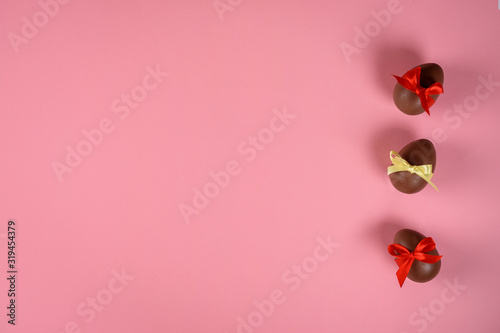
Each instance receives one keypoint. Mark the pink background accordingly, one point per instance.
(323, 175)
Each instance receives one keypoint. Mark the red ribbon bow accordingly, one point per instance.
(405, 258)
(411, 81)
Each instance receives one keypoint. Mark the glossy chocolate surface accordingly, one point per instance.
(407, 101)
(420, 271)
(418, 152)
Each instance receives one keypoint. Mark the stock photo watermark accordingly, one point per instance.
(12, 267)
(89, 309)
(223, 6)
(31, 26)
(248, 149)
(122, 108)
(292, 278)
(427, 314)
(470, 104)
(373, 28)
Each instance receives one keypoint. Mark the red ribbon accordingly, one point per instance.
(405, 258)
(411, 81)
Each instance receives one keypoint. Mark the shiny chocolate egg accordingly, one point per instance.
(418, 152)
(408, 101)
(419, 271)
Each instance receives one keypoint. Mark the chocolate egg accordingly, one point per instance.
(419, 271)
(418, 152)
(409, 102)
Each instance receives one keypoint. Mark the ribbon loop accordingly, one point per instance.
(411, 81)
(400, 164)
(404, 257)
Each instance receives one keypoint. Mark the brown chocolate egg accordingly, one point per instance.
(407, 101)
(418, 152)
(419, 271)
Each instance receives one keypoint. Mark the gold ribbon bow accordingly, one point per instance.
(400, 164)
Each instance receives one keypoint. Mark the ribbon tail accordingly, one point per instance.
(403, 271)
(428, 180)
(425, 103)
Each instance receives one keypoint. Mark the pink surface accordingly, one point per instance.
(296, 239)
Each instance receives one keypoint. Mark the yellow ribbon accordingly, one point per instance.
(400, 164)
